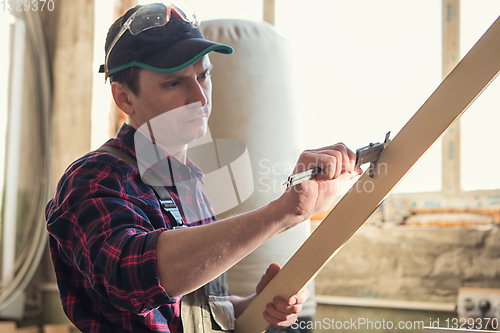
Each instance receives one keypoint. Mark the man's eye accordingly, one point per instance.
(172, 84)
(205, 75)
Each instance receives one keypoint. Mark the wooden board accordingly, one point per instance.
(453, 96)
(29, 329)
(56, 328)
(8, 327)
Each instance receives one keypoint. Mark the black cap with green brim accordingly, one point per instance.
(166, 49)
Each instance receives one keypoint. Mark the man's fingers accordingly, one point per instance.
(334, 161)
(283, 315)
(277, 323)
(283, 309)
(278, 317)
(299, 298)
(271, 272)
(348, 157)
(332, 166)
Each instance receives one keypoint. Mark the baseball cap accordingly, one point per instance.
(165, 48)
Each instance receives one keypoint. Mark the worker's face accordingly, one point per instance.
(172, 95)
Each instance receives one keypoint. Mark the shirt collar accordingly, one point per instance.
(181, 171)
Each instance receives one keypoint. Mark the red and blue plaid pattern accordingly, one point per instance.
(104, 223)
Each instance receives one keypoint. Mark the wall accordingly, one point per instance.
(413, 263)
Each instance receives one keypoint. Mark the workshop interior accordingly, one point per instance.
(303, 75)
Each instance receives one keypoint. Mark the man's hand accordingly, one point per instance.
(338, 165)
(281, 313)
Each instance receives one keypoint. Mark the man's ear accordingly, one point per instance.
(122, 96)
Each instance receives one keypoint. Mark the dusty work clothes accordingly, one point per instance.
(104, 222)
(208, 309)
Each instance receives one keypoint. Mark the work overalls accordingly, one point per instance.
(208, 308)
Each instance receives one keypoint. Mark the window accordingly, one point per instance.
(479, 125)
(364, 68)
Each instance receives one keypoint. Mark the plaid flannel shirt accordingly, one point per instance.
(104, 223)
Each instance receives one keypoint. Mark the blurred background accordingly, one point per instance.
(351, 71)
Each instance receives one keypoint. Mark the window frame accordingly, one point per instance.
(451, 197)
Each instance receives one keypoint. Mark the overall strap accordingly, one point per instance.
(161, 192)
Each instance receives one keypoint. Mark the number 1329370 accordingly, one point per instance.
(27, 5)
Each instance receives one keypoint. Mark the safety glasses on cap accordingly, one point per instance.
(148, 17)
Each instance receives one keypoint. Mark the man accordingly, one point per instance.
(124, 261)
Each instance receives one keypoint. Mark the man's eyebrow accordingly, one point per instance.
(174, 76)
(207, 69)
(177, 76)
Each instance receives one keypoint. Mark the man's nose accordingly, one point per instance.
(197, 94)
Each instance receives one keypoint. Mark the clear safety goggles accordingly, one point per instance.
(148, 17)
